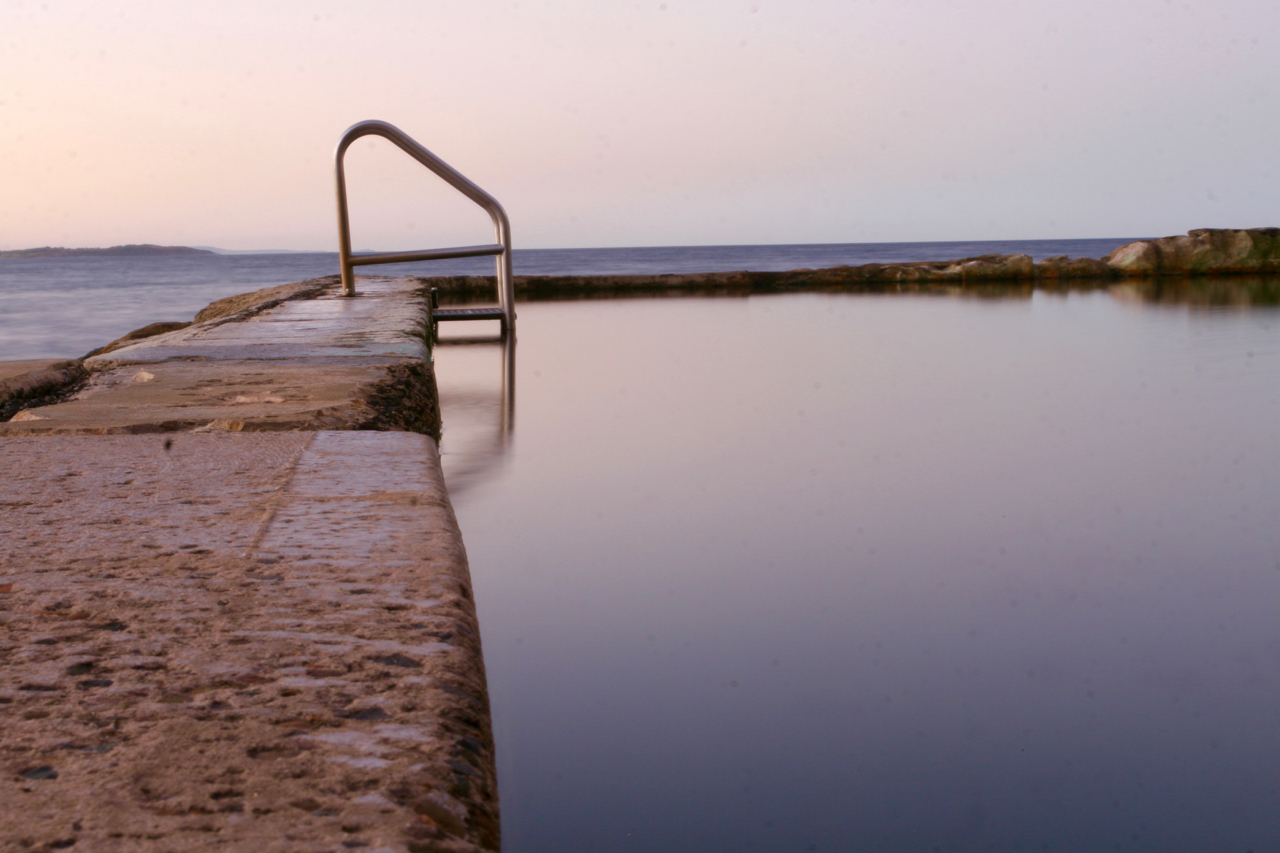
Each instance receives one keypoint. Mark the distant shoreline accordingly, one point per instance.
(133, 249)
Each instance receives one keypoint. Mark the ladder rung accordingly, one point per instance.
(426, 255)
(468, 314)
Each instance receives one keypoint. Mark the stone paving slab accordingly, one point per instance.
(238, 642)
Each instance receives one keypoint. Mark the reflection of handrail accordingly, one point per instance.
(478, 465)
(501, 250)
(507, 412)
(508, 388)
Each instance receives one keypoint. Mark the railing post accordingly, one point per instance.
(344, 223)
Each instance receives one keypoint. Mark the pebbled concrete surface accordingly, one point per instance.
(238, 642)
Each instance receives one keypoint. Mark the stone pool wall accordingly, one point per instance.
(1203, 252)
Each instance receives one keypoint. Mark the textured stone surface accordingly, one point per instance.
(278, 361)
(239, 642)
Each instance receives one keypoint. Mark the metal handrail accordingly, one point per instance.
(501, 250)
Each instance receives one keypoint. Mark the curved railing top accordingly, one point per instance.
(501, 249)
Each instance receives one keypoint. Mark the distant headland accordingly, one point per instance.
(113, 251)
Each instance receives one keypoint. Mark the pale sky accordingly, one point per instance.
(637, 123)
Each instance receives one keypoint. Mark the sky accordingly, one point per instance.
(637, 123)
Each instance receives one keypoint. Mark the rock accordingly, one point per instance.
(148, 331)
(398, 660)
(40, 773)
(25, 384)
(1204, 251)
(1140, 258)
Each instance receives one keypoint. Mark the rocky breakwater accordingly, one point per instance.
(1202, 252)
(235, 607)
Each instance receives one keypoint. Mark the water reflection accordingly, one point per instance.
(1241, 291)
(1236, 291)
(476, 381)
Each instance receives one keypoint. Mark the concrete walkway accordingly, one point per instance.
(226, 627)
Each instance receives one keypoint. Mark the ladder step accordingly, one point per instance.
(426, 255)
(468, 314)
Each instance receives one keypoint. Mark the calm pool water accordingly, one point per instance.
(866, 573)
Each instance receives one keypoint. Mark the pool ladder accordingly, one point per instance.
(504, 311)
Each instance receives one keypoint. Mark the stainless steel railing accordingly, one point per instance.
(501, 250)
